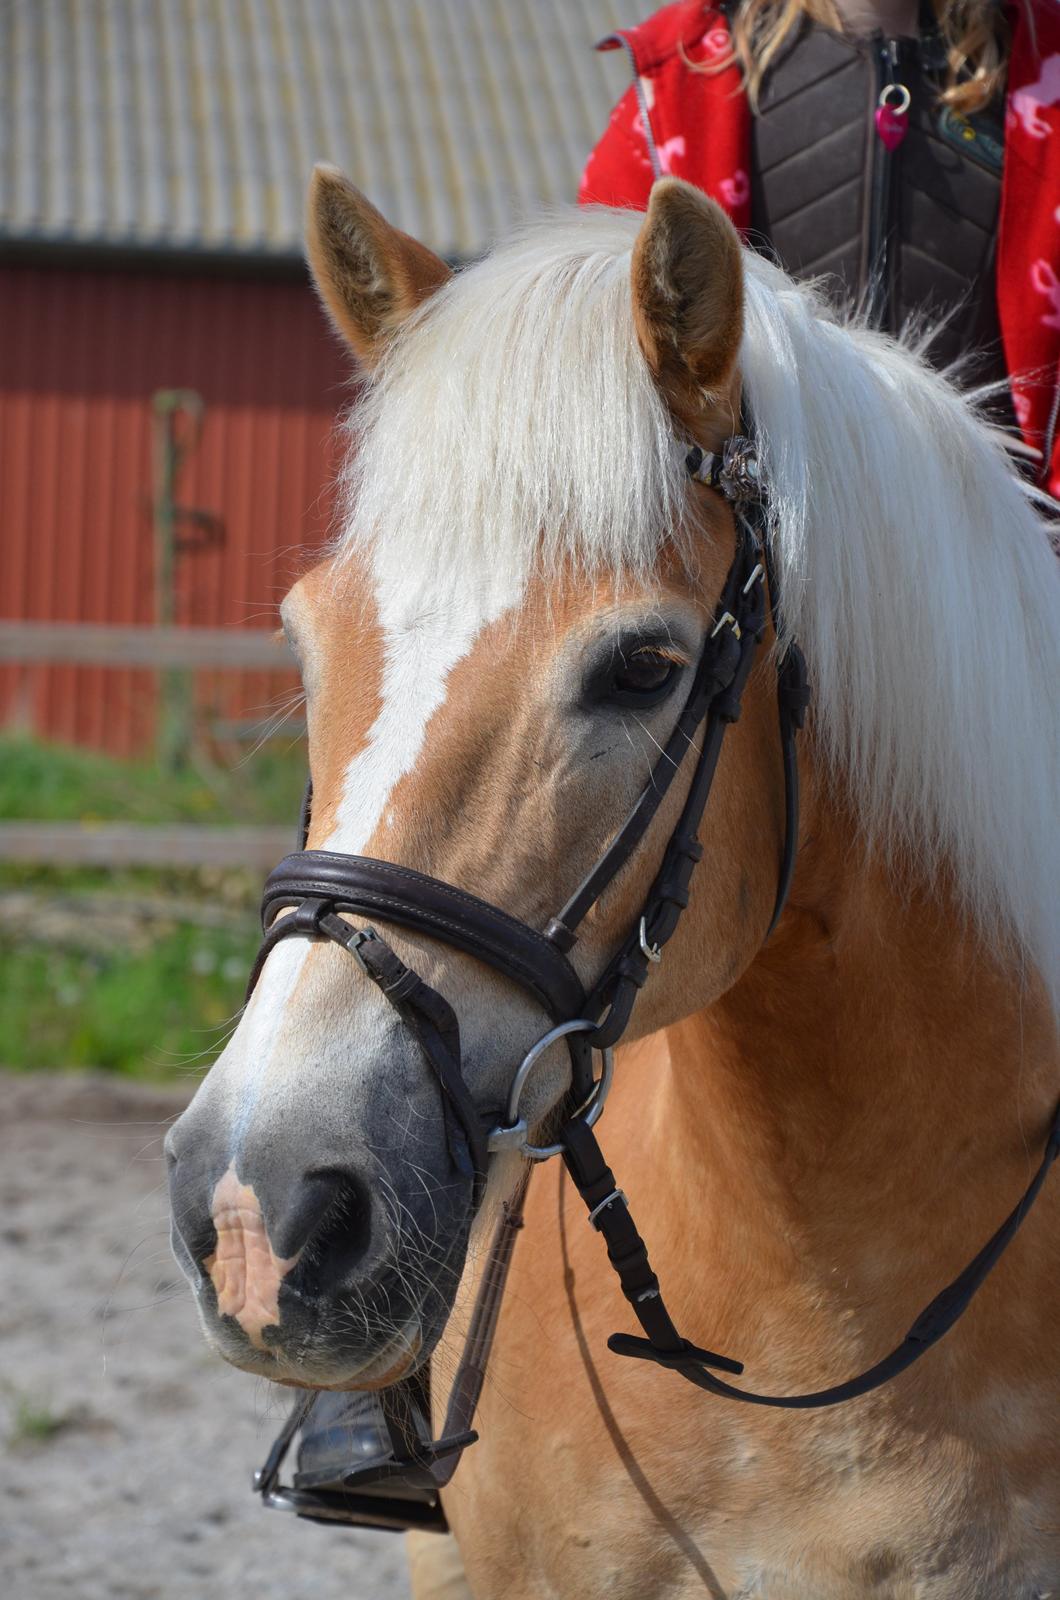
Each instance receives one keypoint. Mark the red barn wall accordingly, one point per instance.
(81, 354)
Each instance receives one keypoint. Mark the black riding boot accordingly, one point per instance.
(343, 1432)
(347, 1431)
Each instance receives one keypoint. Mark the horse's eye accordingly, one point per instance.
(642, 678)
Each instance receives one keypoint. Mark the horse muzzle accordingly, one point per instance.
(332, 1277)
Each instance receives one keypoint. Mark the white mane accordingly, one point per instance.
(516, 423)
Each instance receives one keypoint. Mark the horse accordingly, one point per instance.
(817, 1128)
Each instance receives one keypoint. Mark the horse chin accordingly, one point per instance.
(321, 1363)
(400, 1359)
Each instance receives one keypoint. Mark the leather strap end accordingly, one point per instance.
(627, 1344)
(793, 685)
(560, 935)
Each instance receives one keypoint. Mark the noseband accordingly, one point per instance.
(318, 887)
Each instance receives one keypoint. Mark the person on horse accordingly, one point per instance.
(907, 150)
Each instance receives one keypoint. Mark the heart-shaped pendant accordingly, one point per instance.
(892, 115)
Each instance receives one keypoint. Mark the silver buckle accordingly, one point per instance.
(651, 951)
(359, 936)
(726, 620)
(608, 1200)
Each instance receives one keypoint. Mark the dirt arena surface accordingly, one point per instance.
(125, 1448)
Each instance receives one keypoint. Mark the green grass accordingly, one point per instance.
(154, 1012)
(56, 783)
(35, 1422)
(108, 987)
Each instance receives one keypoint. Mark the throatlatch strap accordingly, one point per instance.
(609, 1214)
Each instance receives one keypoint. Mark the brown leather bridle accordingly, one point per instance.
(317, 887)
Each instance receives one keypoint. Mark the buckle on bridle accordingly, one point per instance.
(608, 1200)
(357, 938)
(652, 952)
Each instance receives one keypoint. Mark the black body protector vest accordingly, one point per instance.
(908, 234)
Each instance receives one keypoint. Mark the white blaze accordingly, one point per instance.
(430, 621)
(259, 1031)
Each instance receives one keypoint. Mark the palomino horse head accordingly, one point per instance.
(494, 653)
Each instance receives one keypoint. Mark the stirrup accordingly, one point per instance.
(399, 1489)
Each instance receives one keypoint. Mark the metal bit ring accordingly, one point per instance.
(513, 1133)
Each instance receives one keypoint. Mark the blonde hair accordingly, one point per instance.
(900, 533)
(975, 33)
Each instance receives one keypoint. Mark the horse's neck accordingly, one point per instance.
(867, 1103)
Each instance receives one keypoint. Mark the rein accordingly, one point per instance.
(315, 886)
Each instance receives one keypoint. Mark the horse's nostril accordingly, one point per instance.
(340, 1240)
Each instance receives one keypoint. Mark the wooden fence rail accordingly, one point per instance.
(101, 644)
(123, 844)
(70, 844)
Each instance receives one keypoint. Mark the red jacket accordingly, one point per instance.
(700, 125)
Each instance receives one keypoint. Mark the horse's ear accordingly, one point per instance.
(368, 274)
(688, 298)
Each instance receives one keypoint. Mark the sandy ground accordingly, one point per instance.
(125, 1447)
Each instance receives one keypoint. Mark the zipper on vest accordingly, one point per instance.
(618, 40)
(879, 287)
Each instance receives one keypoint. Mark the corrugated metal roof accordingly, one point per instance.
(193, 124)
